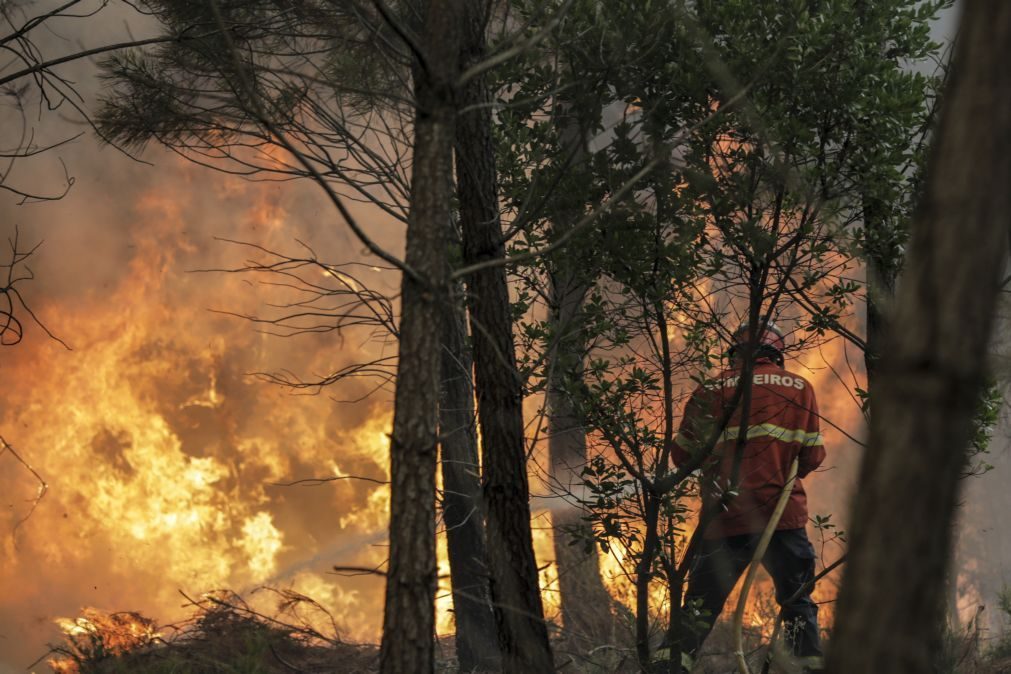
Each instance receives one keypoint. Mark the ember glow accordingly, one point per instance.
(114, 633)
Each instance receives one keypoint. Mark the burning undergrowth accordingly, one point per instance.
(223, 633)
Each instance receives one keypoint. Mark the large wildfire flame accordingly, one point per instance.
(161, 453)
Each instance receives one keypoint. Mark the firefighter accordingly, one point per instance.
(782, 424)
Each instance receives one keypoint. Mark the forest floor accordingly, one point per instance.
(225, 635)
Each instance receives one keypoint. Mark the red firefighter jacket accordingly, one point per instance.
(783, 423)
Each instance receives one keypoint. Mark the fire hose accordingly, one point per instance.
(756, 560)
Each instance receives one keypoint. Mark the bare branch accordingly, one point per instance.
(42, 490)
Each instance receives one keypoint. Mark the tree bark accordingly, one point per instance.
(476, 639)
(409, 618)
(516, 598)
(585, 603)
(932, 368)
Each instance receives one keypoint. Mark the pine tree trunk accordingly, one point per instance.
(932, 369)
(516, 598)
(476, 639)
(409, 617)
(585, 602)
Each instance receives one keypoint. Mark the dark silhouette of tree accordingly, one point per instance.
(462, 501)
(932, 368)
(409, 616)
(515, 591)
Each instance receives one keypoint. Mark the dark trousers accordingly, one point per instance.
(720, 563)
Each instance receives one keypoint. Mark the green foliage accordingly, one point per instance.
(794, 133)
(329, 76)
(1001, 648)
(608, 485)
(991, 401)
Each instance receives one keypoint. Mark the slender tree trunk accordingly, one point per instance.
(932, 370)
(643, 576)
(516, 598)
(585, 603)
(476, 639)
(586, 612)
(409, 618)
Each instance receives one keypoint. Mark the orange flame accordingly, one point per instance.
(97, 634)
(163, 456)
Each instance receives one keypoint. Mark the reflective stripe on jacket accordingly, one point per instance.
(783, 423)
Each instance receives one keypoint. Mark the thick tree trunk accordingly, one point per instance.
(476, 639)
(409, 618)
(585, 602)
(932, 368)
(516, 595)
